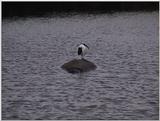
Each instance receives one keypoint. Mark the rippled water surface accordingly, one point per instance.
(123, 46)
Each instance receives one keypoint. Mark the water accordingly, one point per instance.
(123, 46)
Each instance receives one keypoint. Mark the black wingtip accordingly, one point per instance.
(79, 51)
(85, 45)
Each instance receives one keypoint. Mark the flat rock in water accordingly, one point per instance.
(78, 65)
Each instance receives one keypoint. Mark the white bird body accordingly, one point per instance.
(82, 50)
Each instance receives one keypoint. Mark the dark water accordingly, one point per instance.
(124, 47)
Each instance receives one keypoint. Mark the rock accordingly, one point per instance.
(78, 66)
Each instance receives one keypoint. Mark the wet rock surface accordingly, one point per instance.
(79, 66)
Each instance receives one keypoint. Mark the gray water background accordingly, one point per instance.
(124, 46)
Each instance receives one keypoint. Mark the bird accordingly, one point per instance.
(82, 49)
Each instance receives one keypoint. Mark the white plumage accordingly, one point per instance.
(82, 50)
